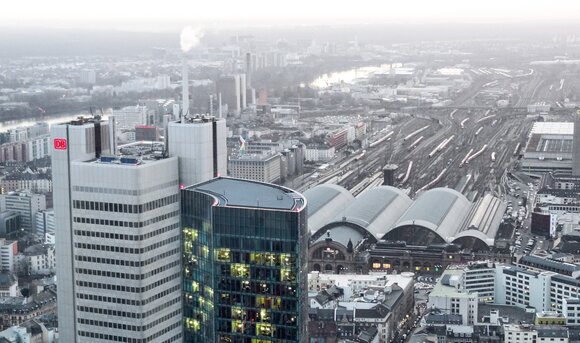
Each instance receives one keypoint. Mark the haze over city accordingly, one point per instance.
(304, 171)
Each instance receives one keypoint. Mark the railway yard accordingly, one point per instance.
(468, 150)
(469, 145)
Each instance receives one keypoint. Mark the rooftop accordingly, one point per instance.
(38, 249)
(552, 331)
(325, 202)
(230, 192)
(348, 282)
(549, 264)
(441, 210)
(81, 120)
(133, 154)
(443, 289)
(254, 157)
(197, 119)
(443, 318)
(510, 313)
(554, 128)
(22, 305)
(7, 280)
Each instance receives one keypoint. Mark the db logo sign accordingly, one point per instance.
(60, 144)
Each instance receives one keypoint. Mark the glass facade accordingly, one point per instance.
(245, 274)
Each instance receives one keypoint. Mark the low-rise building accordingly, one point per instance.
(526, 333)
(8, 285)
(16, 310)
(382, 302)
(571, 310)
(539, 264)
(480, 277)
(550, 318)
(8, 252)
(448, 297)
(26, 204)
(31, 331)
(263, 167)
(28, 180)
(45, 223)
(38, 259)
(327, 298)
(319, 153)
(9, 222)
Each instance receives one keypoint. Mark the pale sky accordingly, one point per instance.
(72, 12)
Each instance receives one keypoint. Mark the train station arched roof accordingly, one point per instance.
(483, 220)
(368, 216)
(434, 217)
(378, 209)
(437, 216)
(325, 202)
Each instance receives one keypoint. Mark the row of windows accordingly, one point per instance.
(103, 190)
(125, 262)
(138, 328)
(124, 250)
(125, 208)
(121, 223)
(115, 338)
(128, 276)
(124, 301)
(110, 235)
(515, 296)
(127, 288)
(125, 314)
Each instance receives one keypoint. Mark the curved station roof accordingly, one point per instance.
(439, 215)
(368, 216)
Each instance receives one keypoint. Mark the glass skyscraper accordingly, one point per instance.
(245, 273)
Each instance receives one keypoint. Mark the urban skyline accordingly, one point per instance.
(309, 172)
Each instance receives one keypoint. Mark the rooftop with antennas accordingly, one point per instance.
(198, 118)
(135, 153)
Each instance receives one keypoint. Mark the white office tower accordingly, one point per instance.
(200, 144)
(117, 239)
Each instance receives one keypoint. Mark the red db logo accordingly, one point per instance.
(59, 144)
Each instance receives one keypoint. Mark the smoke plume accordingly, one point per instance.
(190, 38)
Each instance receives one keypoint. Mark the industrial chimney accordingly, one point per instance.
(185, 88)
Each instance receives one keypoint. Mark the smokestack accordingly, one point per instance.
(185, 88)
(211, 105)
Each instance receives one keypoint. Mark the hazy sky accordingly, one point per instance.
(73, 12)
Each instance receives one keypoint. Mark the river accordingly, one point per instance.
(350, 76)
(54, 119)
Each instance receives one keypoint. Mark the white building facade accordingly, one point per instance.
(200, 145)
(118, 246)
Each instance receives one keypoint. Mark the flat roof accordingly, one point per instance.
(554, 128)
(450, 291)
(512, 313)
(231, 192)
(543, 143)
(254, 157)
